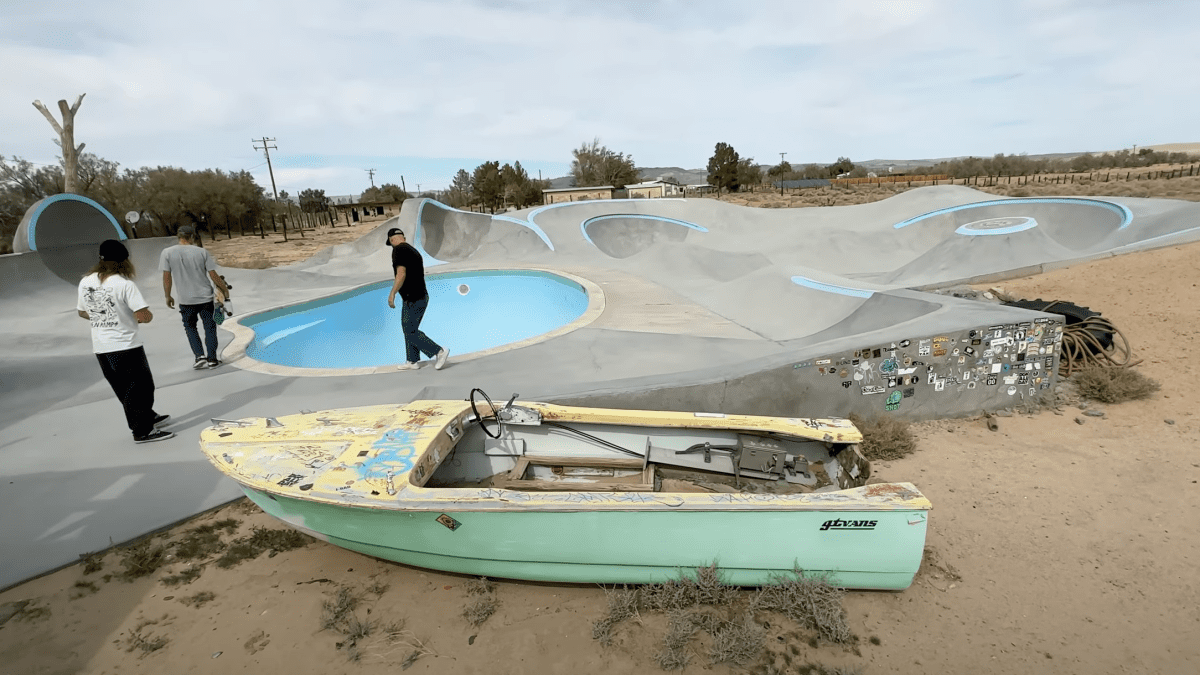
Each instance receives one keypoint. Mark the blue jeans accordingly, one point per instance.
(416, 342)
(205, 312)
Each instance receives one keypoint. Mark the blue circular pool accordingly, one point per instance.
(468, 312)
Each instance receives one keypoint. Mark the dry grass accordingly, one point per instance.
(143, 640)
(199, 599)
(92, 562)
(676, 652)
(739, 641)
(142, 559)
(262, 539)
(204, 541)
(810, 601)
(622, 604)
(82, 589)
(1114, 385)
(480, 609)
(884, 438)
(187, 576)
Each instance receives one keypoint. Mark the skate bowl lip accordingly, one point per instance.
(243, 335)
(1124, 211)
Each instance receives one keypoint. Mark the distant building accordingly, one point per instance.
(655, 188)
(699, 189)
(355, 212)
(577, 194)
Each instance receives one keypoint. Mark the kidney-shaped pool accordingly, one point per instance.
(468, 312)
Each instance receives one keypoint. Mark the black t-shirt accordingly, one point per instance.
(409, 258)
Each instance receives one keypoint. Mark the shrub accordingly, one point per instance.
(1114, 385)
(884, 438)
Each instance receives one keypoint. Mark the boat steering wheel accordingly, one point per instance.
(495, 414)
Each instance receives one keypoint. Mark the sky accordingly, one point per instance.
(418, 90)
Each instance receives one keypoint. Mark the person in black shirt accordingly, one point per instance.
(409, 271)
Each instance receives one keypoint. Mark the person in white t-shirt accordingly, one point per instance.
(192, 272)
(114, 305)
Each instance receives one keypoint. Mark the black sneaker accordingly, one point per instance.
(160, 420)
(212, 364)
(156, 435)
(199, 364)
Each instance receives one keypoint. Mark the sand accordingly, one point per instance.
(1054, 546)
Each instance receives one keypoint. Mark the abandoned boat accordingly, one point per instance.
(546, 492)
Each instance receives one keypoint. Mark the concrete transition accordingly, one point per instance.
(707, 306)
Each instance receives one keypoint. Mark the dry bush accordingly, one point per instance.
(1114, 385)
(622, 604)
(480, 586)
(335, 611)
(146, 642)
(142, 559)
(198, 600)
(92, 562)
(187, 576)
(675, 653)
(480, 609)
(884, 438)
(810, 601)
(739, 641)
(262, 539)
(707, 587)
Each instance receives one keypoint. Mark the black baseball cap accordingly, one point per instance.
(112, 250)
(392, 232)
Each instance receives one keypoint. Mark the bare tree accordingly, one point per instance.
(66, 135)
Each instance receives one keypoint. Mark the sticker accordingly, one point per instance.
(823, 362)
(291, 480)
(872, 389)
(905, 343)
(996, 367)
(887, 366)
(1012, 390)
(845, 384)
(448, 522)
(908, 393)
(893, 401)
(991, 380)
(940, 385)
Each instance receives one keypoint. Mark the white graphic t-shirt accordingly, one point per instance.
(110, 305)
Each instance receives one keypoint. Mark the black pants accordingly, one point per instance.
(128, 372)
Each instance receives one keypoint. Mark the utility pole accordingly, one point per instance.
(781, 173)
(403, 186)
(371, 175)
(267, 149)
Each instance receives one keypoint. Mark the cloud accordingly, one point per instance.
(423, 88)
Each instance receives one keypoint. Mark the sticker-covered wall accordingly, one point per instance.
(954, 373)
(957, 373)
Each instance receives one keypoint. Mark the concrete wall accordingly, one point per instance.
(580, 195)
(951, 374)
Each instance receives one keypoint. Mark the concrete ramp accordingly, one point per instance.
(622, 235)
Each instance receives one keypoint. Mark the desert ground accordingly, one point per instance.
(1065, 541)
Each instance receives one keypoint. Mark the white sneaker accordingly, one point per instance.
(441, 359)
(408, 365)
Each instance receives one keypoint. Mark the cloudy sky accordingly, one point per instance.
(422, 89)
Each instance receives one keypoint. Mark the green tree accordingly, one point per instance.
(594, 164)
(841, 166)
(780, 171)
(723, 168)
(459, 194)
(489, 185)
(313, 201)
(749, 173)
(388, 193)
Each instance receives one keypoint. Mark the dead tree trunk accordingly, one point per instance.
(66, 136)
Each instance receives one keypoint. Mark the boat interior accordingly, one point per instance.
(514, 448)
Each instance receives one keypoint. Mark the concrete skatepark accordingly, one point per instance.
(706, 306)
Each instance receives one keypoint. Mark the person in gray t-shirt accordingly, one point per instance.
(189, 269)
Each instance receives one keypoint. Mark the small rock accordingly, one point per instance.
(1079, 420)
(988, 295)
(471, 640)
(1003, 413)
(1083, 405)
(1094, 413)
(216, 654)
(1169, 421)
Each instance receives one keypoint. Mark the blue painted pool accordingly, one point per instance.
(468, 312)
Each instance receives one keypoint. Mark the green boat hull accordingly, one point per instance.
(868, 549)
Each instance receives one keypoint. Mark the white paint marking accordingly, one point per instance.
(65, 523)
(118, 488)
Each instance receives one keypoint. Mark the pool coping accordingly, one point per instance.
(235, 352)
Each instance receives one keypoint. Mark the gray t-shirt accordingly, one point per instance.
(189, 266)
